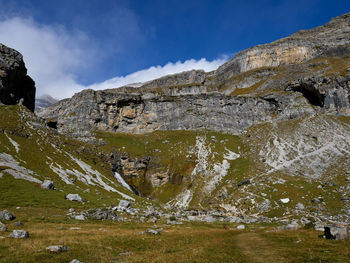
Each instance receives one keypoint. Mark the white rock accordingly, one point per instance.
(80, 217)
(57, 248)
(300, 206)
(241, 227)
(285, 200)
(48, 184)
(75, 261)
(71, 210)
(74, 197)
(19, 234)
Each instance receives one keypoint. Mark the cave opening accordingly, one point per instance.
(313, 96)
(52, 124)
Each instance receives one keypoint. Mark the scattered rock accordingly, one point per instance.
(18, 223)
(3, 227)
(243, 183)
(48, 184)
(123, 204)
(336, 231)
(58, 248)
(316, 200)
(101, 214)
(154, 231)
(171, 222)
(75, 228)
(6, 215)
(241, 227)
(80, 217)
(300, 206)
(19, 234)
(209, 219)
(74, 197)
(285, 200)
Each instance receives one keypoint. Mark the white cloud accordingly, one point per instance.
(53, 56)
(159, 71)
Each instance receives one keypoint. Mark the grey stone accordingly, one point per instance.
(123, 204)
(19, 234)
(74, 197)
(58, 248)
(80, 217)
(241, 227)
(18, 223)
(71, 210)
(48, 184)
(6, 215)
(336, 231)
(209, 219)
(76, 261)
(300, 206)
(101, 214)
(3, 227)
(154, 231)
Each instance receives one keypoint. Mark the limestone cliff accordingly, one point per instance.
(258, 85)
(15, 85)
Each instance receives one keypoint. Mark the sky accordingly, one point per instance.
(71, 45)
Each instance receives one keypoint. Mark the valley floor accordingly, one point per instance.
(106, 241)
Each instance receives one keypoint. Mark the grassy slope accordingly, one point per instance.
(38, 148)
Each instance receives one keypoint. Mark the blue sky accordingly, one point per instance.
(71, 45)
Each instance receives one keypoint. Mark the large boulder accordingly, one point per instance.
(6, 215)
(336, 231)
(74, 197)
(19, 234)
(48, 184)
(16, 87)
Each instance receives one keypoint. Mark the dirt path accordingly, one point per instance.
(256, 249)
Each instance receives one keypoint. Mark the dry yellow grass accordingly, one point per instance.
(191, 242)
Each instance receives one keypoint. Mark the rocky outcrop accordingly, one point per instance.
(16, 87)
(261, 84)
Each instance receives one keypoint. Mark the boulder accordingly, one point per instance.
(58, 248)
(336, 231)
(154, 231)
(3, 227)
(18, 223)
(16, 87)
(19, 234)
(209, 219)
(48, 184)
(123, 205)
(80, 217)
(101, 214)
(6, 215)
(74, 197)
(285, 200)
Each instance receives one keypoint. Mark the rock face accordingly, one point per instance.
(272, 82)
(16, 87)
